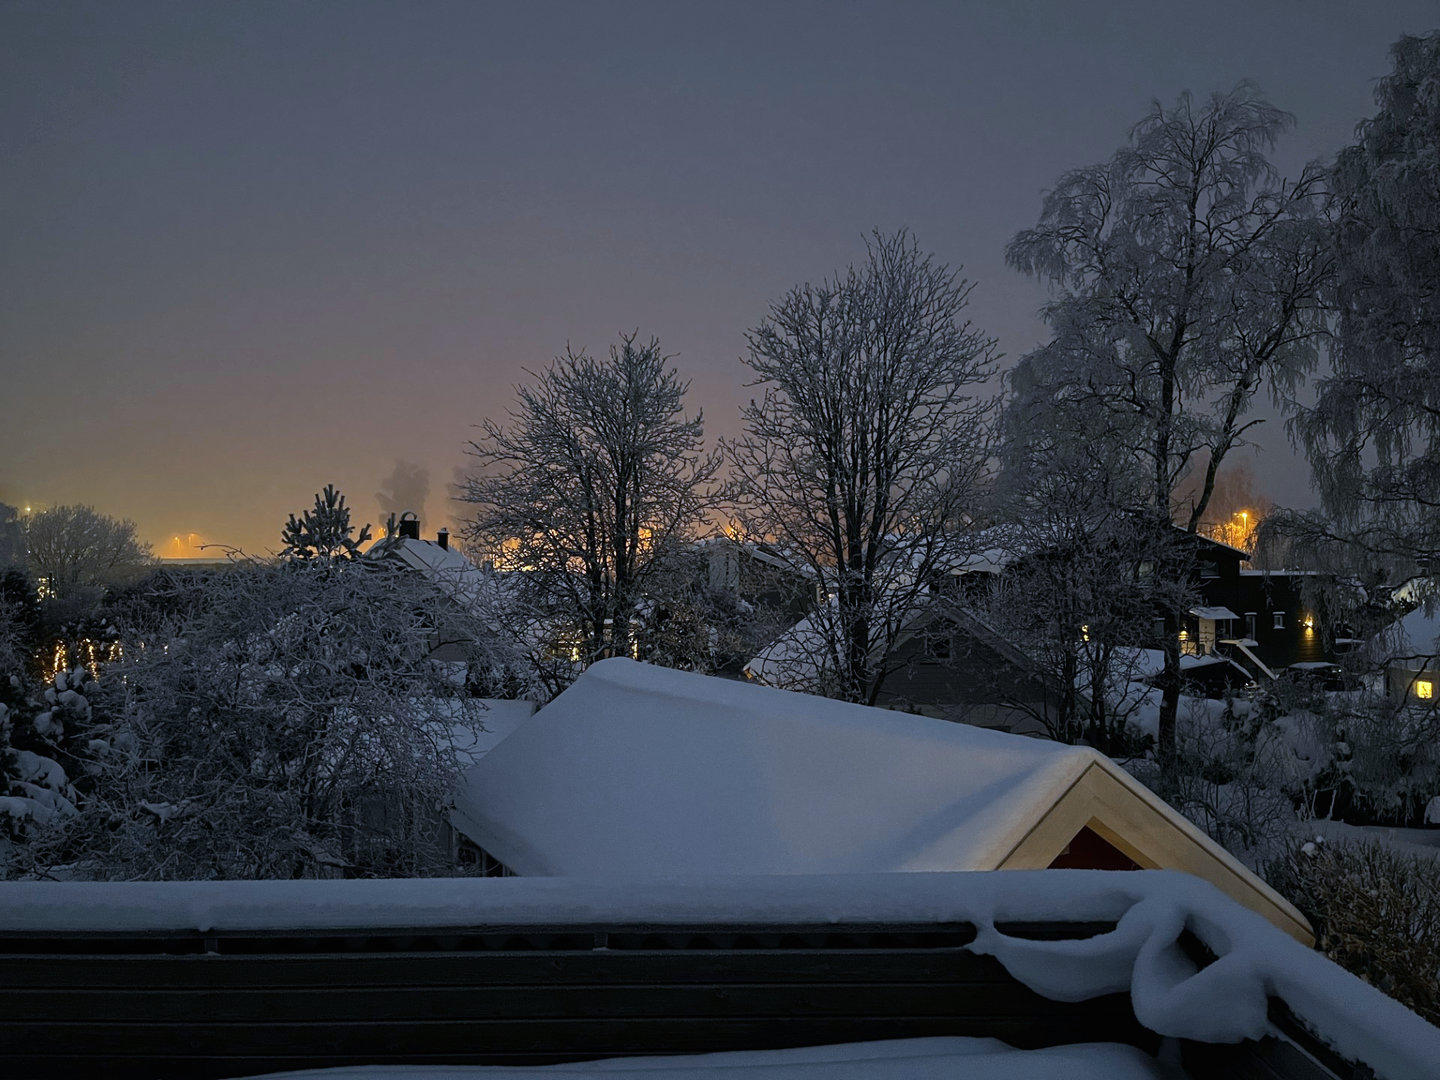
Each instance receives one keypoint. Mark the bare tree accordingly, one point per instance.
(12, 537)
(1071, 594)
(869, 447)
(74, 548)
(1187, 277)
(587, 490)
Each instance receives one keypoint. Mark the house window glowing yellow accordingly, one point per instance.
(1424, 688)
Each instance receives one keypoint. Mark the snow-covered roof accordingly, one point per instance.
(1214, 613)
(448, 569)
(894, 1059)
(1412, 640)
(796, 657)
(640, 771)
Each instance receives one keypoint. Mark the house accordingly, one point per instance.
(1263, 620)
(647, 772)
(761, 574)
(945, 663)
(1409, 652)
(478, 591)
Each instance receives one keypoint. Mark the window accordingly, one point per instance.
(1250, 618)
(937, 645)
(1279, 620)
(1424, 688)
(1209, 568)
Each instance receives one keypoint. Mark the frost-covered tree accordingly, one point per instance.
(12, 537)
(19, 621)
(1071, 594)
(1373, 435)
(869, 448)
(282, 720)
(74, 548)
(54, 751)
(587, 490)
(324, 532)
(1186, 277)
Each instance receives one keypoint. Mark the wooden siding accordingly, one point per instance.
(1118, 814)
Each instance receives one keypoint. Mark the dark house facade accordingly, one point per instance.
(1265, 620)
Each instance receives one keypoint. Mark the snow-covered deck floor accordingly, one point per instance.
(901, 1059)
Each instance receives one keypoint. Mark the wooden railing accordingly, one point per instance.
(239, 1003)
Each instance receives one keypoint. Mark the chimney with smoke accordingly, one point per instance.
(409, 525)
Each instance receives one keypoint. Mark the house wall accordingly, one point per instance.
(951, 675)
(1268, 595)
(1404, 684)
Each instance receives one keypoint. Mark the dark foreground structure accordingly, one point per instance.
(143, 999)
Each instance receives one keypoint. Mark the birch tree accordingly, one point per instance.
(1186, 277)
(869, 447)
(1373, 435)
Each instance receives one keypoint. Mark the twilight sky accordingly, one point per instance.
(250, 248)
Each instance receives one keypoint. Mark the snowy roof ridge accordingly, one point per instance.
(749, 778)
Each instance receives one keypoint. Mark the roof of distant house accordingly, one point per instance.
(449, 570)
(1411, 640)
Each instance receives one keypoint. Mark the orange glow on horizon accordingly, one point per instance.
(186, 546)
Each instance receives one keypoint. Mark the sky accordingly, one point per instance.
(248, 249)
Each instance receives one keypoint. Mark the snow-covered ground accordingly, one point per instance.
(1409, 841)
(901, 1059)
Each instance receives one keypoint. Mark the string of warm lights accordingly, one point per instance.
(94, 654)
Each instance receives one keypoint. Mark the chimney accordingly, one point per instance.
(443, 538)
(409, 525)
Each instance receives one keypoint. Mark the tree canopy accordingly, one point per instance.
(869, 447)
(1186, 277)
(1373, 435)
(588, 488)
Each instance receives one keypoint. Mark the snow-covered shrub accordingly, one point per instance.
(282, 724)
(1234, 776)
(1376, 912)
(48, 758)
(1388, 758)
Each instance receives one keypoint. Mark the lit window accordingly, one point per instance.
(1279, 620)
(1424, 688)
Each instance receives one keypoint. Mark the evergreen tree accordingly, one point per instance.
(324, 532)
